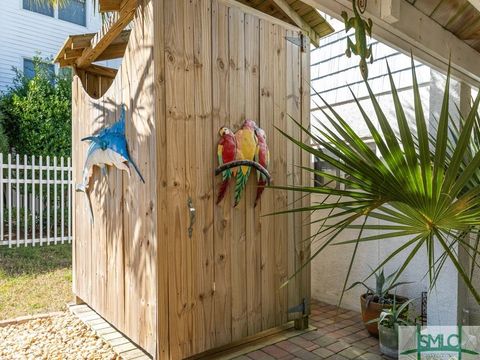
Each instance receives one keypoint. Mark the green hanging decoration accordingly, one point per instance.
(362, 28)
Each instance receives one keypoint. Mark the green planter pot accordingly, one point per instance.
(388, 341)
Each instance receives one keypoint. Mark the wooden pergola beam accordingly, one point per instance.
(108, 33)
(72, 53)
(101, 71)
(74, 46)
(81, 41)
(113, 51)
(417, 33)
(475, 4)
(297, 19)
(109, 5)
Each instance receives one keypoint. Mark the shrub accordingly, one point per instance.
(37, 112)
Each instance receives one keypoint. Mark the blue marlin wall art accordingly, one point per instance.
(107, 148)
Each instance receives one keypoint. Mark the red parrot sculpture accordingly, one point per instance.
(227, 152)
(246, 147)
(262, 156)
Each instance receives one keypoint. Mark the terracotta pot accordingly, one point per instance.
(373, 312)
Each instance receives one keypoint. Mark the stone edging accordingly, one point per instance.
(24, 319)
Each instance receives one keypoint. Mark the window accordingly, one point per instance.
(44, 9)
(73, 11)
(29, 68)
(320, 181)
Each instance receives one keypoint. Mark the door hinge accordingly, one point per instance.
(300, 308)
(300, 41)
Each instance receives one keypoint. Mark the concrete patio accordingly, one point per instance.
(340, 335)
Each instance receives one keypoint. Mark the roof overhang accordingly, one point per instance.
(110, 42)
(405, 27)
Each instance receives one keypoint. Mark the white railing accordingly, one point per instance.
(35, 200)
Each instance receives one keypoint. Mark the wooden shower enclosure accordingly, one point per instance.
(190, 67)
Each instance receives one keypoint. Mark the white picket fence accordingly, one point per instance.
(36, 200)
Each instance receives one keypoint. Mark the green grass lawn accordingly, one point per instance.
(34, 280)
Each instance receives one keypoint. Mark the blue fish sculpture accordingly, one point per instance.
(108, 147)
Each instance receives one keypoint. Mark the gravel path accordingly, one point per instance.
(59, 337)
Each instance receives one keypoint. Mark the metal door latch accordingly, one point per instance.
(193, 214)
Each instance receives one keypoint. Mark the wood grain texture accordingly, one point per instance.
(458, 16)
(163, 243)
(279, 166)
(115, 257)
(179, 250)
(267, 239)
(222, 212)
(294, 174)
(307, 180)
(192, 66)
(252, 225)
(236, 39)
(204, 196)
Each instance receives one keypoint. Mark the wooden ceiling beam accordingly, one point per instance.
(417, 33)
(81, 41)
(101, 71)
(75, 45)
(475, 4)
(109, 32)
(72, 53)
(298, 20)
(113, 51)
(109, 5)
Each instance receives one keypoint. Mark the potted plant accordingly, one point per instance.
(374, 301)
(388, 322)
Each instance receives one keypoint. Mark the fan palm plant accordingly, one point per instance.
(421, 189)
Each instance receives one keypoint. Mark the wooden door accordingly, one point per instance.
(224, 63)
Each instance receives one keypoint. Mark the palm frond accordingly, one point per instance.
(421, 187)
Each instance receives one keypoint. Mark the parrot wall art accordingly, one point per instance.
(107, 148)
(262, 156)
(226, 151)
(237, 153)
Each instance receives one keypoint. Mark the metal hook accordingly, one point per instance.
(193, 214)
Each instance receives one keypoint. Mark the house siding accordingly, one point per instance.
(332, 74)
(24, 33)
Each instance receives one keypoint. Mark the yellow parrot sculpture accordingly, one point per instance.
(246, 148)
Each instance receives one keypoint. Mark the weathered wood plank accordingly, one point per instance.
(192, 266)
(140, 199)
(236, 37)
(252, 225)
(293, 160)
(307, 180)
(118, 251)
(102, 71)
(267, 75)
(279, 168)
(175, 65)
(204, 163)
(109, 5)
(222, 212)
(120, 344)
(163, 241)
